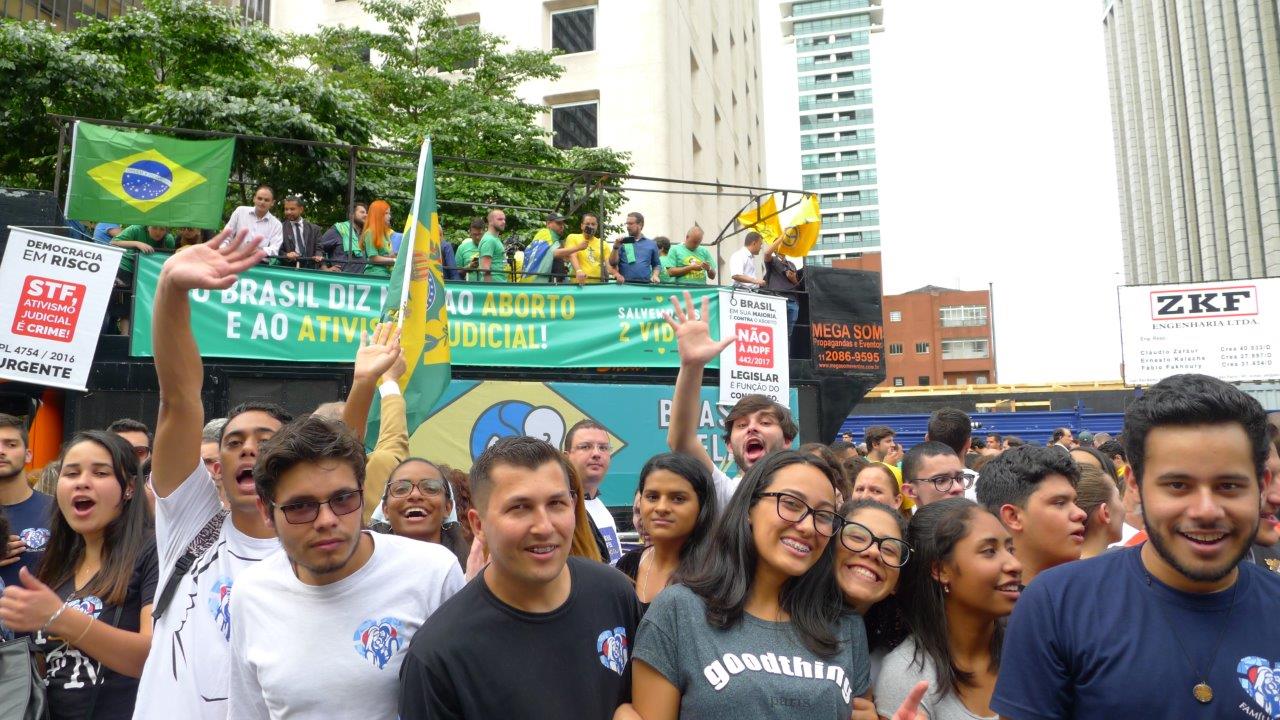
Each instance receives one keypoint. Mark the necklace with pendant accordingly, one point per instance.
(1202, 692)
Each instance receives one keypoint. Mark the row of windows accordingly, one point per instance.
(899, 381)
(62, 13)
(816, 7)
(807, 27)
(964, 316)
(967, 349)
(833, 42)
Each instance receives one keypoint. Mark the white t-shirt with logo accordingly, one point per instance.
(189, 662)
(607, 526)
(334, 651)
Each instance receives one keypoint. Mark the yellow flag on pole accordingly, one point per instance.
(763, 218)
(802, 233)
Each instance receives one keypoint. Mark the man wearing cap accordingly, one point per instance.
(544, 250)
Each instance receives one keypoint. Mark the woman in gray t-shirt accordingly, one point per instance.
(957, 591)
(758, 630)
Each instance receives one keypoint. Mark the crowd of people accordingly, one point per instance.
(266, 566)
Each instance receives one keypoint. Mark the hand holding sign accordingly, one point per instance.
(213, 265)
(693, 332)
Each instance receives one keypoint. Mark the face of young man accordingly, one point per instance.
(476, 234)
(13, 453)
(940, 470)
(241, 441)
(1051, 526)
(526, 524)
(881, 448)
(590, 454)
(497, 221)
(263, 200)
(590, 226)
(140, 443)
(753, 436)
(292, 211)
(322, 548)
(1200, 500)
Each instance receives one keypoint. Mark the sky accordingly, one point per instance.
(996, 165)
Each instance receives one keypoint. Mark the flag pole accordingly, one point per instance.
(412, 240)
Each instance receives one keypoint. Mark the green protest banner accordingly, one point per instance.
(311, 316)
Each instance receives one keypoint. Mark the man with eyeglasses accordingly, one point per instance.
(587, 446)
(1033, 491)
(931, 471)
(348, 599)
(137, 434)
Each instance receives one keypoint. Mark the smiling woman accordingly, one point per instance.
(417, 502)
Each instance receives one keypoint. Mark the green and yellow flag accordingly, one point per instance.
(416, 301)
(134, 178)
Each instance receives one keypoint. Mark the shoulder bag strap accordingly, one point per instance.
(203, 540)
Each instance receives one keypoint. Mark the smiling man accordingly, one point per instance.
(1033, 492)
(538, 634)
(344, 596)
(587, 446)
(1179, 627)
(932, 471)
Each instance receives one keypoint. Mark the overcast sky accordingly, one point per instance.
(994, 146)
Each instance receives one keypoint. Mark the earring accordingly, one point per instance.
(946, 589)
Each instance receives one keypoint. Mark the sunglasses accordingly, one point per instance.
(300, 513)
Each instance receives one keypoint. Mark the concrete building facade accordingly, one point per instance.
(676, 83)
(837, 121)
(938, 336)
(63, 14)
(1195, 101)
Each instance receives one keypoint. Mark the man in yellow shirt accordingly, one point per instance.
(590, 252)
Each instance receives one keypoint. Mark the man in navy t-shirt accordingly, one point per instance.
(28, 511)
(1178, 627)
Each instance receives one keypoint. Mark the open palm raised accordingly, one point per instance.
(693, 332)
(213, 265)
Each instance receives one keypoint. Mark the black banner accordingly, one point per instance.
(846, 327)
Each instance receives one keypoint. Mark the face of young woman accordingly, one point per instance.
(785, 547)
(864, 577)
(422, 512)
(88, 493)
(874, 483)
(983, 575)
(668, 506)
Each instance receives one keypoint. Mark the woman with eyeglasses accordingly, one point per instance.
(957, 592)
(757, 629)
(89, 603)
(417, 501)
(678, 507)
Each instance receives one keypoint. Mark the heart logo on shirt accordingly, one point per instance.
(35, 538)
(612, 648)
(1260, 679)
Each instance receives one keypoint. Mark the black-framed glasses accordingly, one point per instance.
(429, 487)
(945, 481)
(794, 510)
(857, 537)
(300, 513)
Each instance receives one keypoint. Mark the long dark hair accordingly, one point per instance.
(724, 577)
(124, 539)
(933, 534)
(697, 475)
(450, 532)
(886, 626)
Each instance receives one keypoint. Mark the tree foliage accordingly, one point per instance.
(199, 66)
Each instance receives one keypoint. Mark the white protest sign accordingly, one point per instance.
(757, 364)
(53, 295)
(1229, 329)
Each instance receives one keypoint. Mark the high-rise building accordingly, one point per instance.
(1195, 104)
(64, 14)
(676, 83)
(837, 124)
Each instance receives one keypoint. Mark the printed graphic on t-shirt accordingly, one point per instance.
(611, 541)
(35, 538)
(612, 647)
(1260, 679)
(379, 640)
(66, 665)
(722, 671)
(220, 605)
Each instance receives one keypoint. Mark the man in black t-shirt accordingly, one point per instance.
(782, 276)
(538, 634)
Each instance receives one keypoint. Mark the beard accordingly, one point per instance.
(1204, 575)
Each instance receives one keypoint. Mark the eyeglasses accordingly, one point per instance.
(300, 513)
(944, 482)
(429, 487)
(588, 447)
(856, 537)
(141, 451)
(794, 510)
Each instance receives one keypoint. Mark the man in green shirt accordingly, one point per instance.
(493, 254)
(465, 255)
(144, 239)
(664, 259)
(691, 263)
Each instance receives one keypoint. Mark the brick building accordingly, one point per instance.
(939, 336)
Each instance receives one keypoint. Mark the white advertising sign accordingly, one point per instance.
(53, 295)
(757, 364)
(1229, 329)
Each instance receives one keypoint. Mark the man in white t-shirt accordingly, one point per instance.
(258, 220)
(754, 427)
(589, 450)
(742, 264)
(322, 628)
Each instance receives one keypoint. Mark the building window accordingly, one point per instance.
(964, 316)
(574, 31)
(574, 125)
(922, 380)
(966, 349)
(980, 380)
(922, 348)
(895, 348)
(961, 381)
(895, 316)
(898, 382)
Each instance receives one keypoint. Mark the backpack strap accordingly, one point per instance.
(202, 542)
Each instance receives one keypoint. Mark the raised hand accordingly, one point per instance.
(213, 265)
(693, 332)
(378, 352)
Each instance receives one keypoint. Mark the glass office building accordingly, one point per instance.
(837, 122)
(66, 14)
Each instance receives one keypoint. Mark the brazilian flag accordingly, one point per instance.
(135, 178)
